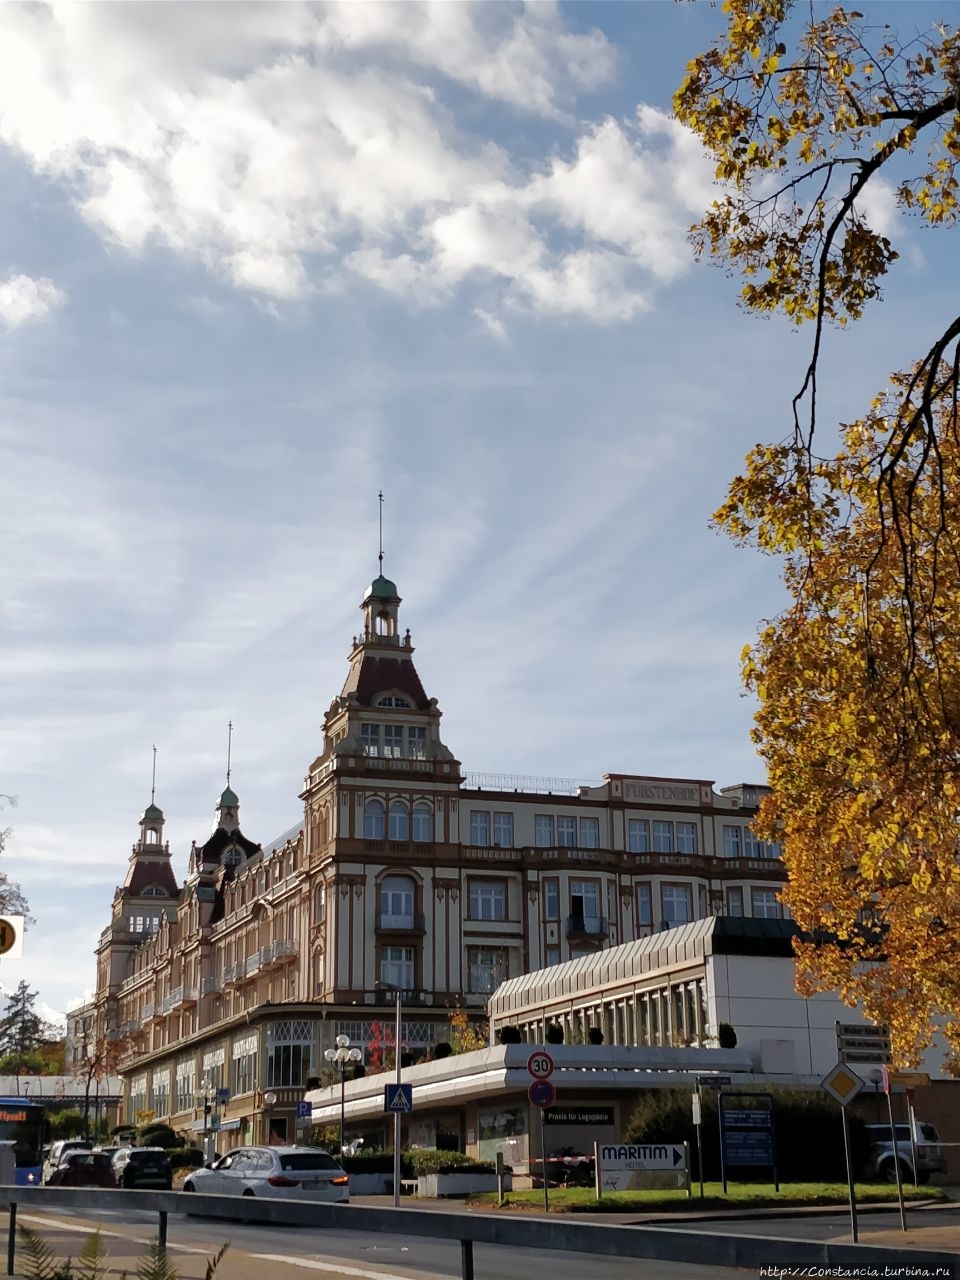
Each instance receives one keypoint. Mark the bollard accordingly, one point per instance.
(162, 1233)
(12, 1238)
(466, 1259)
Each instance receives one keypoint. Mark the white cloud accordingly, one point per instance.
(312, 143)
(24, 299)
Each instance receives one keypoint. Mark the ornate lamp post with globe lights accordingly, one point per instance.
(341, 1057)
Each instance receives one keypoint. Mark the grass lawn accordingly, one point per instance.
(740, 1195)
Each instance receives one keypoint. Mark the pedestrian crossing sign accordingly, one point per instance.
(398, 1098)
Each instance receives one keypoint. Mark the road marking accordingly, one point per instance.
(337, 1269)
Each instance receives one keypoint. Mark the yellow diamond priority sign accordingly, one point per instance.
(842, 1083)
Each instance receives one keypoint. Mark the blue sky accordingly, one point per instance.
(258, 262)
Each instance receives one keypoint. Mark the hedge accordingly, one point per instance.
(808, 1128)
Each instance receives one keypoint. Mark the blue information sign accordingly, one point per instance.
(304, 1110)
(747, 1133)
(398, 1098)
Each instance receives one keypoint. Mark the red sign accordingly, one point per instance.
(542, 1093)
(540, 1065)
(12, 1117)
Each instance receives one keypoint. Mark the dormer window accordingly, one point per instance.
(154, 891)
(392, 700)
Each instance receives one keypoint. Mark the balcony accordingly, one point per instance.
(251, 966)
(388, 996)
(233, 973)
(190, 995)
(405, 922)
(209, 985)
(284, 949)
(171, 1001)
(586, 927)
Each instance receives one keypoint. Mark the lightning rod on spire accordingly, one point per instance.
(229, 747)
(153, 780)
(380, 498)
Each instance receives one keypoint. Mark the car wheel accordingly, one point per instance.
(248, 1192)
(188, 1186)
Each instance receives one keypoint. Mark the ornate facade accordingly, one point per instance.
(404, 875)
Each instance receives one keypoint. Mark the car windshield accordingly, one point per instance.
(308, 1160)
(928, 1133)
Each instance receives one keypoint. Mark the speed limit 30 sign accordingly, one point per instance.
(540, 1065)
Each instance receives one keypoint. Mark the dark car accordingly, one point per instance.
(143, 1167)
(83, 1169)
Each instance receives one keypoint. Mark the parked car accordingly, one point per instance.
(143, 1167)
(930, 1155)
(59, 1151)
(83, 1169)
(107, 1151)
(298, 1173)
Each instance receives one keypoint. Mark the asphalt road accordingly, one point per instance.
(827, 1226)
(355, 1256)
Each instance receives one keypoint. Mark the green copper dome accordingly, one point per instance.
(229, 799)
(152, 813)
(381, 589)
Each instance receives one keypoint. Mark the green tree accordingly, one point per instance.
(815, 116)
(22, 1032)
(12, 900)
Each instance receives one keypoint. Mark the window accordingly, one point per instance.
(567, 833)
(638, 835)
(373, 820)
(734, 902)
(589, 833)
(391, 700)
(154, 891)
(417, 742)
(487, 900)
(585, 904)
(732, 842)
(422, 822)
(644, 905)
(663, 837)
(161, 1094)
(553, 955)
(396, 967)
(701, 901)
(393, 740)
(551, 900)
(321, 901)
(486, 968)
(244, 1068)
(765, 903)
(543, 830)
(396, 902)
(686, 837)
(289, 1054)
(479, 827)
(677, 903)
(370, 739)
(503, 830)
(399, 820)
(186, 1086)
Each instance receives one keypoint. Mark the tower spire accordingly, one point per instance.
(229, 747)
(153, 780)
(380, 499)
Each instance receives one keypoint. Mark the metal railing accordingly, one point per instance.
(523, 1231)
(586, 927)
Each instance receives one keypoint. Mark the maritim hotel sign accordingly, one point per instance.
(628, 1166)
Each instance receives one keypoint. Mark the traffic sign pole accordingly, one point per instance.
(896, 1158)
(543, 1157)
(854, 1235)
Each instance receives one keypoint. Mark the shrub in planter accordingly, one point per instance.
(554, 1034)
(159, 1135)
(371, 1161)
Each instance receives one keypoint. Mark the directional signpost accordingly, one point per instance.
(623, 1166)
(843, 1084)
(542, 1094)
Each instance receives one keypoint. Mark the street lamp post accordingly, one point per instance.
(205, 1095)
(340, 1057)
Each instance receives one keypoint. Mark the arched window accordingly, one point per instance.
(153, 835)
(422, 822)
(373, 820)
(399, 820)
(397, 895)
(392, 700)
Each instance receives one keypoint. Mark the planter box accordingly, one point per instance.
(371, 1184)
(431, 1186)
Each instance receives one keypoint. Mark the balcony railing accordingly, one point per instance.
(209, 985)
(190, 995)
(406, 922)
(172, 1000)
(284, 949)
(586, 927)
(148, 1011)
(252, 964)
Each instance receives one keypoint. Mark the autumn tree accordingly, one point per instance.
(815, 117)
